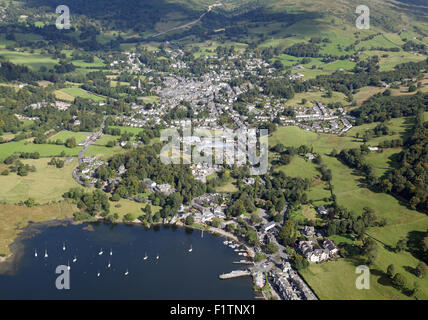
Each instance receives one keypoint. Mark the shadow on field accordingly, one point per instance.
(414, 244)
(383, 277)
(410, 270)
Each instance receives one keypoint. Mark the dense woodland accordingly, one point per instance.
(382, 107)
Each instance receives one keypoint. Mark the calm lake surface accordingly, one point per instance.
(177, 274)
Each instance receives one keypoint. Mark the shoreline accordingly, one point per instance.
(15, 245)
(212, 230)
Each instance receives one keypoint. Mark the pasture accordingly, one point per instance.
(335, 280)
(78, 92)
(32, 60)
(64, 135)
(45, 150)
(321, 143)
(48, 183)
(127, 206)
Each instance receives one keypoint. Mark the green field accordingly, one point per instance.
(48, 183)
(393, 59)
(78, 92)
(104, 139)
(228, 187)
(318, 96)
(64, 135)
(399, 126)
(150, 99)
(384, 161)
(332, 280)
(336, 280)
(32, 60)
(305, 212)
(127, 206)
(132, 130)
(103, 152)
(45, 150)
(322, 143)
(98, 63)
(299, 167)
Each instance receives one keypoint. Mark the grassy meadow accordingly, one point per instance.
(48, 183)
(339, 276)
(45, 150)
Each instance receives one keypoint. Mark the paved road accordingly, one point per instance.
(82, 154)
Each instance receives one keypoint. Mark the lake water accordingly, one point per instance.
(177, 274)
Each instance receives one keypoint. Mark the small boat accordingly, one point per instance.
(127, 272)
(74, 259)
(46, 253)
(111, 252)
(68, 266)
(98, 274)
(202, 234)
(63, 246)
(101, 252)
(35, 253)
(191, 249)
(109, 265)
(146, 256)
(157, 257)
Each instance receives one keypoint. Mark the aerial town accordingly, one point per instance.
(287, 147)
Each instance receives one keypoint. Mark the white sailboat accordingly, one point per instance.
(101, 252)
(157, 257)
(111, 252)
(46, 253)
(63, 246)
(35, 253)
(74, 259)
(127, 272)
(146, 256)
(98, 274)
(191, 249)
(68, 266)
(109, 265)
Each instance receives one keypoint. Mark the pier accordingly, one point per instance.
(235, 274)
(243, 262)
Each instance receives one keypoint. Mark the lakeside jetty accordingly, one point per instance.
(235, 274)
